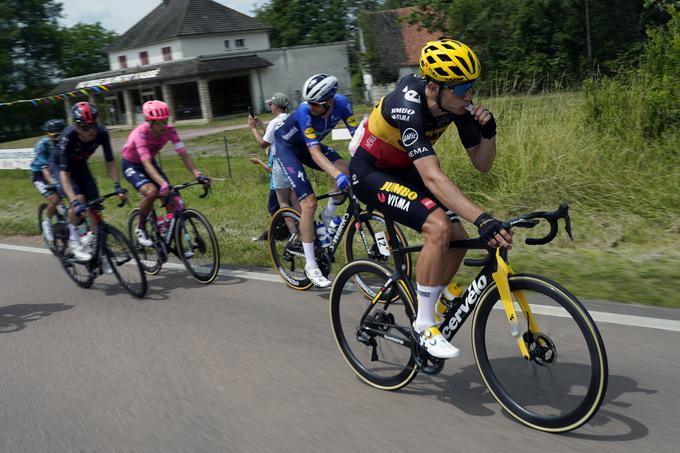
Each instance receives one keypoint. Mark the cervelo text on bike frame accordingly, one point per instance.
(469, 298)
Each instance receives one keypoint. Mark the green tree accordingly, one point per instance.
(28, 48)
(82, 49)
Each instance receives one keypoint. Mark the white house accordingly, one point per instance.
(205, 60)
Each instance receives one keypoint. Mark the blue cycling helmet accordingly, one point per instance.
(54, 126)
(319, 88)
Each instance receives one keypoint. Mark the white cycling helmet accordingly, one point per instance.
(319, 88)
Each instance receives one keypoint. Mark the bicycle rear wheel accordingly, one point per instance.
(285, 248)
(376, 349)
(124, 262)
(362, 244)
(150, 257)
(197, 246)
(564, 382)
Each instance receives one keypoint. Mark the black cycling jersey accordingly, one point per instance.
(401, 128)
(71, 151)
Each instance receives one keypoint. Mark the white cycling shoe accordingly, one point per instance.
(78, 252)
(436, 345)
(316, 277)
(142, 238)
(106, 266)
(47, 230)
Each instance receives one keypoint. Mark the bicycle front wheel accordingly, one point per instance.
(377, 348)
(150, 257)
(564, 382)
(197, 246)
(285, 248)
(124, 262)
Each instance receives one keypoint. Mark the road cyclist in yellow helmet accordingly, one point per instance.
(395, 170)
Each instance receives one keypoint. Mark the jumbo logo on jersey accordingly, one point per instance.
(352, 121)
(400, 190)
(309, 132)
(409, 137)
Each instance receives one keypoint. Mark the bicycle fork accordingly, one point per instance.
(503, 271)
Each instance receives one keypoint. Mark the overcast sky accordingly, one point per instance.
(120, 15)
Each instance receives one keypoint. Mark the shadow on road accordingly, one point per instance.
(466, 390)
(15, 317)
(162, 285)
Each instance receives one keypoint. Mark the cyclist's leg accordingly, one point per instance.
(408, 202)
(137, 177)
(453, 257)
(39, 182)
(292, 163)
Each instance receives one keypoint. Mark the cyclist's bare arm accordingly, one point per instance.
(189, 163)
(445, 190)
(483, 155)
(65, 178)
(113, 171)
(322, 161)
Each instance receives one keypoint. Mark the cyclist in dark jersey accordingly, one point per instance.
(395, 169)
(69, 167)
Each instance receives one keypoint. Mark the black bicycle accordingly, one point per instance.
(366, 238)
(519, 324)
(109, 247)
(189, 236)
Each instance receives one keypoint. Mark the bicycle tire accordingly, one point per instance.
(285, 249)
(345, 309)
(150, 257)
(540, 293)
(124, 261)
(368, 222)
(191, 244)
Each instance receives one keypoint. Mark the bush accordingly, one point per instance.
(643, 102)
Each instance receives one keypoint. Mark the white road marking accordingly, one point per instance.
(599, 316)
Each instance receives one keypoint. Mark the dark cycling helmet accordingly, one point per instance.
(84, 113)
(155, 110)
(53, 126)
(319, 88)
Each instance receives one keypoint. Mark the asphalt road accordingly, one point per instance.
(246, 364)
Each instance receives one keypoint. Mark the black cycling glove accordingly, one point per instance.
(488, 227)
(487, 130)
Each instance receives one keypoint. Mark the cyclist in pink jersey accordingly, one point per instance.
(139, 161)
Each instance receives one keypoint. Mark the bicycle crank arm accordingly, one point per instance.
(398, 340)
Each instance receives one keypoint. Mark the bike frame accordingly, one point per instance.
(495, 267)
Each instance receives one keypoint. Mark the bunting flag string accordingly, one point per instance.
(54, 99)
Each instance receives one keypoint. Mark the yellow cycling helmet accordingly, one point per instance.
(448, 61)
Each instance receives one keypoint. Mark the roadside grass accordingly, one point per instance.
(624, 198)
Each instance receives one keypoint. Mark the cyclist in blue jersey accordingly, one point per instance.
(40, 173)
(298, 143)
(69, 167)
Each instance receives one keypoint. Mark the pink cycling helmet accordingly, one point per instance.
(155, 110)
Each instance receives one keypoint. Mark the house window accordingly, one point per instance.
(144, 57)
(122, 61)
(226, 43)
(167, 54)
(240, 43)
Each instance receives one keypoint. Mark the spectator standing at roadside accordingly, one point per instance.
(264, 137)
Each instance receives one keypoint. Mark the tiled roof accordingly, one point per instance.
(177, 18)
(414, 38)
(178, 69)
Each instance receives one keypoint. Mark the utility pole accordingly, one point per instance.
(590, 52)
